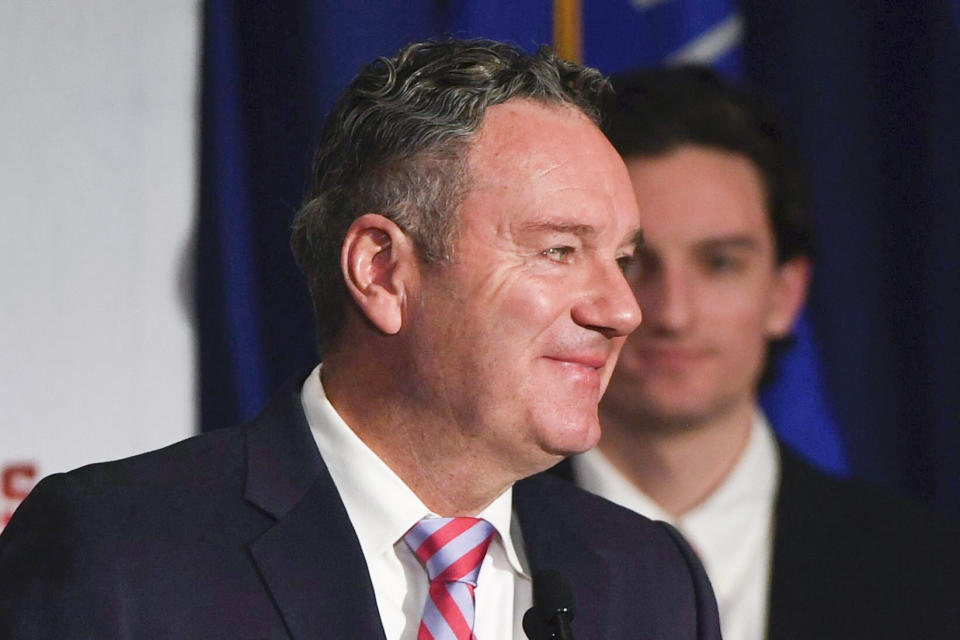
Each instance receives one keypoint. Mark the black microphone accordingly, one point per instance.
(552, 611)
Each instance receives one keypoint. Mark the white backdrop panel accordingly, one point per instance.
(98, 106)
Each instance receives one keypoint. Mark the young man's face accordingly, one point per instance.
(710, 288)
(518, 336)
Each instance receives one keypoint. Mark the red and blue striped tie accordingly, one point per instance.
(451, 550)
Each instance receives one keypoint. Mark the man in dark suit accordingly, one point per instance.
(464, 244)
(791, 552)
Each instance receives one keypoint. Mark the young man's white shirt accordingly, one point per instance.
(731, 531)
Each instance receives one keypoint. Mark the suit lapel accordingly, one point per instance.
(552, 544)
(310, 559)
(796, 548)
(312, 565)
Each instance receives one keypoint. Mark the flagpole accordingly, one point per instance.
(567, 26)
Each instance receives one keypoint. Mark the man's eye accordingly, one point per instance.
(627, 262)
(558, 254)
(722, 263)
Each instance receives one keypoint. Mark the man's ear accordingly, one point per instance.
(379, 261)
(791, 283)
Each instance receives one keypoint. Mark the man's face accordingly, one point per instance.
(709, 286)
(518, 336)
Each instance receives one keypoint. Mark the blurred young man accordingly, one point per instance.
(722, 275)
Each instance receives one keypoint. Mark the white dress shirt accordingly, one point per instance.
(382, 509)
(731, 531)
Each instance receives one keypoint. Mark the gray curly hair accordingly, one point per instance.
(396, 143)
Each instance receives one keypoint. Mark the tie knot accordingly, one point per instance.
(451, 549)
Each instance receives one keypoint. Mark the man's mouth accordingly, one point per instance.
(581, 366)
(671, 357)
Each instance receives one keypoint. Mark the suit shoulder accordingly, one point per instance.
(842, 509)
(648, 561)
(585, 512)
(559, 480)
(834, 537)
(215, 456)
(96, 502)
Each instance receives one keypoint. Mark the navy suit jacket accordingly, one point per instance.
(850, 563)
(240, 533)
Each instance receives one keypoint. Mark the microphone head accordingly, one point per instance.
(535, 625)
(552, 594)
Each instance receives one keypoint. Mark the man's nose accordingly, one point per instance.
(665, 295)
(609, 305)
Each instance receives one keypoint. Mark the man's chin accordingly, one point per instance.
(677, 416)
(575, 439)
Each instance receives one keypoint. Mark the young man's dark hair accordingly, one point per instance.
(656, 111)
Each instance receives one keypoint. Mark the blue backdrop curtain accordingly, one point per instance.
(270, 73)
(868, 93)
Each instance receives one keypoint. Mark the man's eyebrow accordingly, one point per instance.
(558, 227)
(730, 242)
(577, 229)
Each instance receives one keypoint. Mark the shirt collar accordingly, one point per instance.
(380, 506)
(753, 480)
(595, 473)
(754, 476)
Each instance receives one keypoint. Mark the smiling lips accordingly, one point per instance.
(582, 366)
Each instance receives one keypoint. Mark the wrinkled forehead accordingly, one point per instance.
(548, 167)
(522, 143)
(524, 131)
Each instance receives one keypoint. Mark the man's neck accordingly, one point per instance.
(440, 465)
(678, 466)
